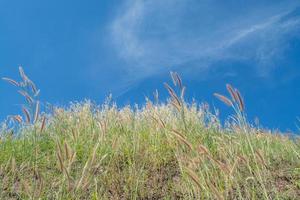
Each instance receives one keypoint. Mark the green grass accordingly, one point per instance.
(147, 153)
(170, 150)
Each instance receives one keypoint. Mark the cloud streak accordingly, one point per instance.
(153, 36)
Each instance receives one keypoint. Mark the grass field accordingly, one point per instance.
(171, 150)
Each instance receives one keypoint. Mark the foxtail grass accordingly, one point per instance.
(170, 150)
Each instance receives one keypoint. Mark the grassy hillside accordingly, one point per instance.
(170, 150)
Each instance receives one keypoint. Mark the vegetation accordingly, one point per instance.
(171, 150)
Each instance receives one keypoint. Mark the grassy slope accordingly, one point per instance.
(150, 153)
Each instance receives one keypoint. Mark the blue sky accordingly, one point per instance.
(75, 50)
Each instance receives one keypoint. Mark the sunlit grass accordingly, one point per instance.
(112, 153)
(170, 150)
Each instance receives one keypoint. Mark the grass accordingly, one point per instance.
(171, 150)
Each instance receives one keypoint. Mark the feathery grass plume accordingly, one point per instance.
(23, 75)
(202, 149)
(37, 111)
(26, 95)
(27, 114)
(182, 92)
(148, 104)
(175, 105)
(159, 121)
(43, 124)
(27, 88)
(11, 81)
(18, 118)
(178, 133)
(156, 96)
(177, 102)
(174, 79)
(232, 92)
(179, 81)
(170, 90)
(224, 99)
(221, 165)
(194, 177)
(67, 150)
(182, 139)
(173, 94)
(35, 91)
(238, 106)
(240, 100)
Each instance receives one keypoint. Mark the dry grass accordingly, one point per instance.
(160, 151)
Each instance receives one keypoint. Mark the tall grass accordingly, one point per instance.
(171, 150)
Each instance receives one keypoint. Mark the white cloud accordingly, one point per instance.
(152, 35)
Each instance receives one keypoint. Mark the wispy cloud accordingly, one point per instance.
(154, 35)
